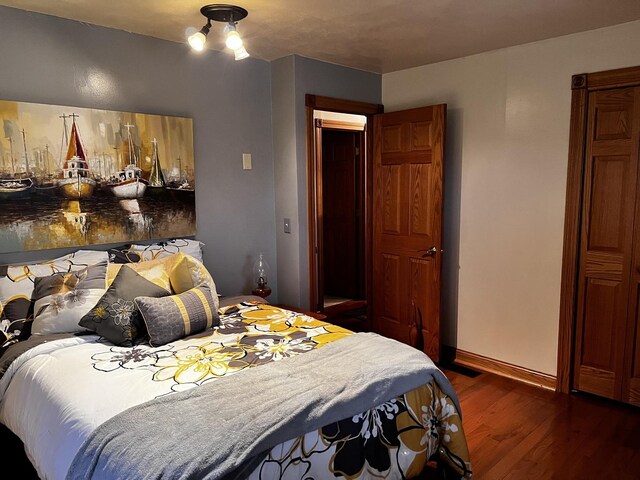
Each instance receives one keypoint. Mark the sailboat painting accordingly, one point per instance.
(73, 176)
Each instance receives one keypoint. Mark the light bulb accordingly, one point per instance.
(241, 53)
(197, 41)
(234, 41)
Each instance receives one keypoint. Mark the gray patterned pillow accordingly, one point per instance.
(177, 316)
(115, 317)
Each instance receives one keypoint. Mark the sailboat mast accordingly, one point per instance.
(13, 164)
(65, 136)
(26, 155)
(117, 160)
(180, 169)
(46, 159)
(132, 154)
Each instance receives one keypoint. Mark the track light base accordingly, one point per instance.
(223, 13)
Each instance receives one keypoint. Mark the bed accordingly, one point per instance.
(267, 393)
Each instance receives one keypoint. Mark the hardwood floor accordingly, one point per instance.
(516, 431)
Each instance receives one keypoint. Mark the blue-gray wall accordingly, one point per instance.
(51, 60)
(286, 177)
(237, 107)
(292, 78)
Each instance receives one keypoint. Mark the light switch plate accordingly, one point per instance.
(246, 161)
(287, 225)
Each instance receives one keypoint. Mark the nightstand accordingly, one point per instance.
(316, 315)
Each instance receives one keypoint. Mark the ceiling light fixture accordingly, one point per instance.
(229, 14)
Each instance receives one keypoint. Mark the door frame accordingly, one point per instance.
(581, 86)
(314, 174)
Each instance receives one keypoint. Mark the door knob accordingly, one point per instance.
(429, 252)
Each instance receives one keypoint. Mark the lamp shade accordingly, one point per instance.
(241, 53)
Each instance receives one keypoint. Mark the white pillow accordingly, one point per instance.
(163, 249)
(62, 299)
(17, 283)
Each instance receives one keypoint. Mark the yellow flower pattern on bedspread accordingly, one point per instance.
(401, 436)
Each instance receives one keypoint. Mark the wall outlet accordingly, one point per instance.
(287, 225)
(246, 161)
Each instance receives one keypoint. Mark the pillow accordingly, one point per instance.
(178, 272)
(62, 299)
(177, 316)
(115, 317)
(199, 275)
(161, 271)
(16, 290)
(139, 253)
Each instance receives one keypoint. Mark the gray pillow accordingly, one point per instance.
(116, 317)
(177, 316)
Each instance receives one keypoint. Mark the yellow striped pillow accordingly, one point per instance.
(177, 316)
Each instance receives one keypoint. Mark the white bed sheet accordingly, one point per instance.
(54, 395)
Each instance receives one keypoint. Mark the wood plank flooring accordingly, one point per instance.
(518, 432)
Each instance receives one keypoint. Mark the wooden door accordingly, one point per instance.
(631, 371)
(607, 286)
(407, 225)
(340, 204)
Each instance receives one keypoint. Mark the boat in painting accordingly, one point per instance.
(129, 182)
(46, 184)
(11, 188)
(157, 182)
(13, 185)
(181, 189)
(74, 180)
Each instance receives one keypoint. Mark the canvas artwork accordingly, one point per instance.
(74, 176)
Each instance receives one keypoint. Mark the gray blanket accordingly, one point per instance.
(219, 429)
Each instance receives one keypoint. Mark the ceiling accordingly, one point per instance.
(375, 35)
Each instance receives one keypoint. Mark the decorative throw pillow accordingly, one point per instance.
(140, 253)
(199, 276)
(62, 299)
(177, 316)
(115, 317)
(16, 290)
(158, 271)
(178, 272)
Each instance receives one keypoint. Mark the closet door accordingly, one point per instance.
(607, 245)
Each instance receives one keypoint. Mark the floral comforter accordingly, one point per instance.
(78, 383)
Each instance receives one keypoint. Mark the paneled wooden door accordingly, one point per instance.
(606, 358)
(407, 225)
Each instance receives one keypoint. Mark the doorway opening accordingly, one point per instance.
(342, 220)
(338, 170)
